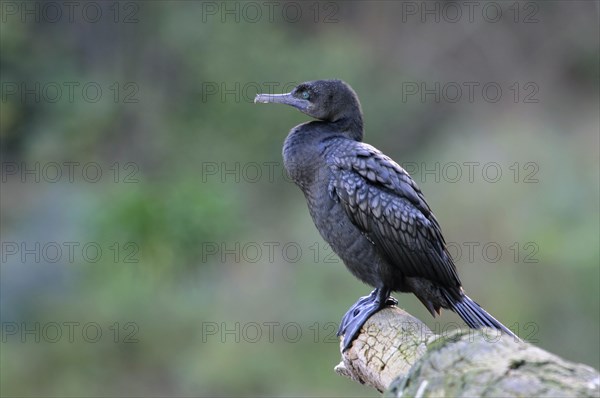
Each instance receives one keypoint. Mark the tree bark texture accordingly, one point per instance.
(397, 353)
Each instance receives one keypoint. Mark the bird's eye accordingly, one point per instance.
(305, 95)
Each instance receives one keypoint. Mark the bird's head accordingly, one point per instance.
(332, 101)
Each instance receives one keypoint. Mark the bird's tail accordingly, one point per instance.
(475, 316)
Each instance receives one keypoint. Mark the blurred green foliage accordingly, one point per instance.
(178, 306)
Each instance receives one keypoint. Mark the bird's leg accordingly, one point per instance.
(358, 314)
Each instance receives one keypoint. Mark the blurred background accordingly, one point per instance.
(152, 244)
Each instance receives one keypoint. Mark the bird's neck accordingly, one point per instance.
(351, 125)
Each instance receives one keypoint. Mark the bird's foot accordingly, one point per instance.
(354, 311)
(358, 314)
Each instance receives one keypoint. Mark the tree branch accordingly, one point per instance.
(398, 353)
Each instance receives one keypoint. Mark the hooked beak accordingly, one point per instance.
(287, 99)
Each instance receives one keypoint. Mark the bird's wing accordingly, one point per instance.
(387, 205)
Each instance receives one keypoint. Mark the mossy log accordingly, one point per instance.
(400, 355)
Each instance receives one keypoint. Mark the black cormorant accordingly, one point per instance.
(369, 210)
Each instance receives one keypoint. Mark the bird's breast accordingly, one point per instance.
(304, 153)
(356, 251)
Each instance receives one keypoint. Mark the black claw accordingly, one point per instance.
(391, 301)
